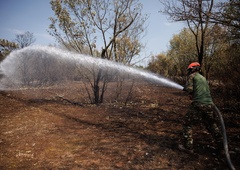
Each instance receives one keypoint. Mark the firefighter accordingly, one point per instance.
(201, 109)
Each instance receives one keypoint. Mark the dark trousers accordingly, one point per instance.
(201, 113)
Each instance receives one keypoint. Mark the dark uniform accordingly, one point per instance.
(200, 110)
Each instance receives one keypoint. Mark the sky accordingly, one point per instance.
(19, 16)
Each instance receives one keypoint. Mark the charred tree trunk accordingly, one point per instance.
(96, 88)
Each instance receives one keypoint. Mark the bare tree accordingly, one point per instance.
(227, 13)
(25, 39)
(197, 16)
(85, 25)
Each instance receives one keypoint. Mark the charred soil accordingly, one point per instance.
(41, 130)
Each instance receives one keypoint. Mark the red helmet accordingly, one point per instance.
(194, 64)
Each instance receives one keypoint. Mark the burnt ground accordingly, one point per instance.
(40, 130)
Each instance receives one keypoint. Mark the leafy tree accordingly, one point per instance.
(22, 40)
(181, 51)
(126, 47)
(227, 14)
(215, 26)
(159, 64)
(6, 47)
(215, 48)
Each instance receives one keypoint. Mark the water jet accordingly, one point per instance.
(32, 63)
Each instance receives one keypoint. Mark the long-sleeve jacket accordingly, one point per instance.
(197, 86)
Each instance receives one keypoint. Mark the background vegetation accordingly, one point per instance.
(211, 38)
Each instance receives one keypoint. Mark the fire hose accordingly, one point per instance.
(225, 143)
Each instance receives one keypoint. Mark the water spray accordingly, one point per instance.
(31, 54)
(1, 73)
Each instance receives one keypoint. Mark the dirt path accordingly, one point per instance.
(38, 133)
